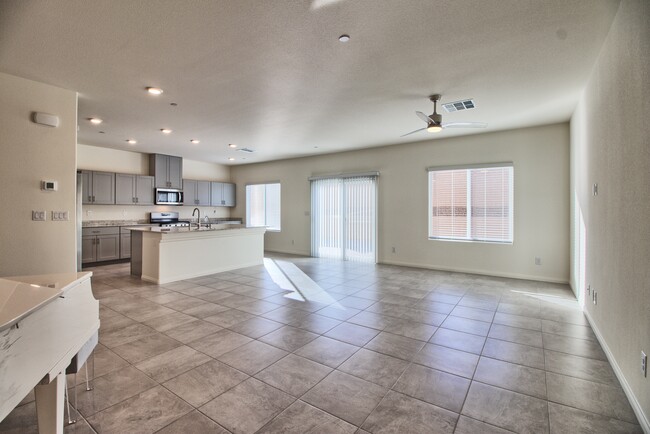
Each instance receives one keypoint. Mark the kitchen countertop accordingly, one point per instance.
(107, 223)
(192, 230)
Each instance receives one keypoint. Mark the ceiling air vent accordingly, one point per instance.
(247, 150)
(457, 106)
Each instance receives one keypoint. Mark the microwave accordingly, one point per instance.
(168, 196)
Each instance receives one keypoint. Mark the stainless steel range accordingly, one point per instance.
(167, 219)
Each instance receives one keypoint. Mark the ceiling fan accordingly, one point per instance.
(434, 120)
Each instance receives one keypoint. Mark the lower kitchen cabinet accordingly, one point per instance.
(125, 244)
(100, 244)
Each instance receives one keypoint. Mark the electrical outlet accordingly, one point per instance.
(538, 260)
(38, 216)
(588, 289)
(595, 189)
(595, 297)
(644, 364)
(394, 250)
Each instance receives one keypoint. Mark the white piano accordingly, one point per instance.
(47, 322)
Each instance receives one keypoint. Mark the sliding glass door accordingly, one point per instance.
(344, 218)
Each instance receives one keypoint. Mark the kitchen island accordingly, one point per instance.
(164, 255)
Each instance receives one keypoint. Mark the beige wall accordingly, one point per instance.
(541, 162)
(113, 160)
(610, 145)
(31, 153)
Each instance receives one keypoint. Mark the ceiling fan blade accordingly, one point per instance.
(464, 125)
(424, 117)
(416, 131)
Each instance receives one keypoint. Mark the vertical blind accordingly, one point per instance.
(471, 204)
(263, 205)
(344, 218)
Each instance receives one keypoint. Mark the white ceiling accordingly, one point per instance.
(272, 75)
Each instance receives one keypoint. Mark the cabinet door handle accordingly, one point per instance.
(137, 200)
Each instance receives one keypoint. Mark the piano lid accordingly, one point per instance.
(22, 295)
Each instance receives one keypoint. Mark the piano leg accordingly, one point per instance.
(49, 405)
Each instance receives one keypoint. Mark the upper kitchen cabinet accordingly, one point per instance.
(223, 194)
(133, 189)
(98, 188)
(167, 170)
(196, 192)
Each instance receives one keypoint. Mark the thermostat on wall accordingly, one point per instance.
(49, 185)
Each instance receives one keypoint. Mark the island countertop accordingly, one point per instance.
(189, 230)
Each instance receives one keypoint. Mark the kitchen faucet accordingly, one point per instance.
(198, 221)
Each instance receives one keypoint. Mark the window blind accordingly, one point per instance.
(263, 206)
(344, 218)
(471, 204)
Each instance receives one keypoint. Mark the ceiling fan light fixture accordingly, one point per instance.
(154, 90)
(166, 131)
(433, 128)
(344, 38)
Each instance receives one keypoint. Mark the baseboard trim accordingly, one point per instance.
(479, 272)
(636, 406)
(288, 252)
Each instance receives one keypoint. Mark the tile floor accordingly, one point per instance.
(354, 349)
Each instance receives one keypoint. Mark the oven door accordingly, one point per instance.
(167, 196)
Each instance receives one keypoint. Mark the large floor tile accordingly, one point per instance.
(111, 389)
(401, 414)
(519, 321)
(581, 367)
(192, 331)
(514, 353)
(169, 322)
(577, 347)
(229, 318)
(518, 378)
(466, 325)
(571, 420)
(589, 396)
(468, 425)
(410, 329)
(395, 345)
(516, 335)
(374, 367)
(120, 336)
(505, 409)
(172, 363)
(247, 407)
(327, 351)
(193, 422)
(293, 374)
(301, 418)
(144, 413)
(352, 334)
(458, 340)
(220, 343)
(435, 387)
(288, 338)
(205, 382)
(473, 313)
(252, 357)
(347, 397)
(447, 359)
(569, 330)
(256, 327)
(146, 347)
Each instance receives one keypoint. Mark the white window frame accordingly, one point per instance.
(266, 208)
(470, 238)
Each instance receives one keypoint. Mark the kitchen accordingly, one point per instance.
(173, 205)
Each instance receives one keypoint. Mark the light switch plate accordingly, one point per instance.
(38, 216)
(59, 216)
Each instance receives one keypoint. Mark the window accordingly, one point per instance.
(263, 206)
(472, 203)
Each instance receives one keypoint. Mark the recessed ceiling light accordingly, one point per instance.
(344, 38)
(95, 121)
(231, 159)
(154, 90)
(195, 141)
(165, 131)
(131, 141)
(232, 146)
(173, 104)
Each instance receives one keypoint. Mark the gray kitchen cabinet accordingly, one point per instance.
(167, 170)
(223, 194)
(196, 192)
(125, 245)
(100, 244)
(133, 189)
(98, 188)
